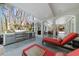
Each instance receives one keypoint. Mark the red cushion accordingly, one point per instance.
(74, 53)
(68, 38)
(52, 40)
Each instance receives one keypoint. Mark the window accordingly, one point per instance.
(12, 18)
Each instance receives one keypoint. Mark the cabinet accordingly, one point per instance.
(20, 36)
(30, 35)
(1, 39)
(9, 38)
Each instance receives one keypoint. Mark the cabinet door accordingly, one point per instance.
(9, 39)
(20, 37)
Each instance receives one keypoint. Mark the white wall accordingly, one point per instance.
(60, 9)
(61, 20)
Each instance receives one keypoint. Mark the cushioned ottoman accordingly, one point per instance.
(37, 50)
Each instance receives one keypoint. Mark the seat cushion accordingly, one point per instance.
(35, 51)
(52, 40)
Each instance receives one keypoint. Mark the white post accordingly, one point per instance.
(54, 28)
(71, 25)
(74, 24)
(35, 29)
(42, 29)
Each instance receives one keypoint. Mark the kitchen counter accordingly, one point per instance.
(9, 38)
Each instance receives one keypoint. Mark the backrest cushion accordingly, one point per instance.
(68, 38)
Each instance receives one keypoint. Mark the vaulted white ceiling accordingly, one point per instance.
(49, 10)
(39, 10)
(60, 9)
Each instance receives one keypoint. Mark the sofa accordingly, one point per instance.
(38, 50)
(60, 42)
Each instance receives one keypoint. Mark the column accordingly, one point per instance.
(35, 28)
(74, 24)
(54, 28)
(42, 29)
